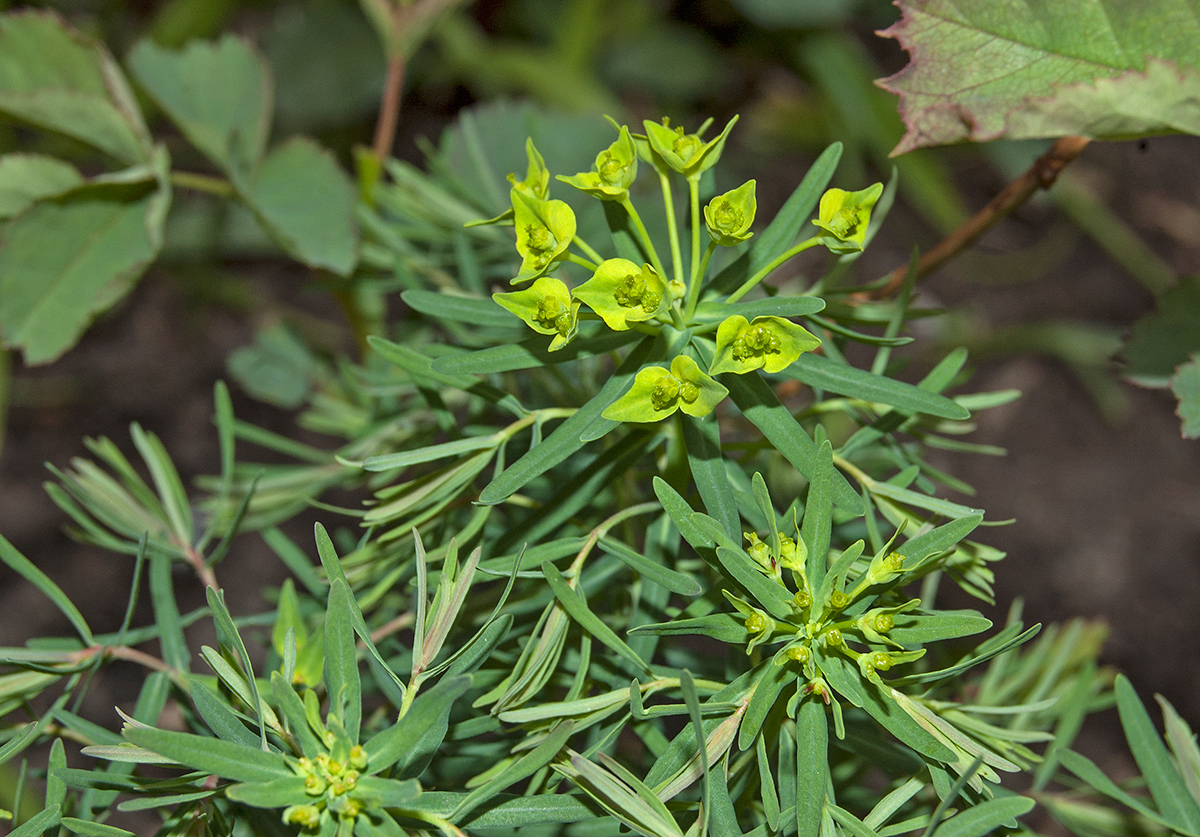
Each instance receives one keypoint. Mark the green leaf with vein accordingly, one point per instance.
(1105, 69)
(25, 178)
(64, 261)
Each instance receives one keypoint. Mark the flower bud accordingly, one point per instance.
(843, 218)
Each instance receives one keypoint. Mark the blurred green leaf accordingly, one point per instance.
(277, 368)
(54, 77)
(218, 93)
(306, 203)
(25, 178)
(1162, 341)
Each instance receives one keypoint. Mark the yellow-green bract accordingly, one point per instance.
(657, 393)
(770, 343)
(843, 217)
(546, 307)
(622, 293)
(729, 216)
(614, 172)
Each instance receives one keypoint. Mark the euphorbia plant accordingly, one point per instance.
(658, 526)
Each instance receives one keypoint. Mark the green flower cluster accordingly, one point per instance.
(625, 294)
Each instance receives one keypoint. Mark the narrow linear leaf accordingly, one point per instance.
(812, 766)
(820, 372)
(703, 441)
(676, 582)
(531, 353)
(478, 311)
(985, 817)
(211, 755)
(574, 604)
(26, 569)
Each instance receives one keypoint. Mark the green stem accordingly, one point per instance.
(693, 297)
(766, 270)
(588, 250)
(579, 260)
(694, 195)
(203, 183)
(672, 229)
(646, 242)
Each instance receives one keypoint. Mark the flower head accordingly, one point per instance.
(687, 154)
(770, 343)
(546, 307)
(545, 229)
(729, 216)
(622, 293)
(614, 172)
(657, 393)
(843, 218)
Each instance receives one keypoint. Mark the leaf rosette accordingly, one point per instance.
(614, 172)
(770, 343)
(843, 218)
(545, 229)
(729, 216)
(657, 393)
(546, 307)
(623, 293)
(687, 154)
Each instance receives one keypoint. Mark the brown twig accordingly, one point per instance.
(1041, 175)
(389, 109)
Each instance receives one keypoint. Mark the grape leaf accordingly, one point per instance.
(1104, 69)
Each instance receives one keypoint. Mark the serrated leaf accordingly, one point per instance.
(1106, 70)
(218, 93)
(25, 178)
(54, 77)
(306, 203)
(64, 261)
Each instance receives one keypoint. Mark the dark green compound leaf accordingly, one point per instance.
(702, 437)
(212, 755)
(985, 817)
(812, 765)
(218, 93)
(920, 627)
(64, 261)
(676, 582)
(573, 603)
(478, 311)
(531, 353)
(565, 439)
(758, 403)
(820, 372)
(1159, 769)
(306, 204)
(411, 742)
(785, 226)
(56, 78)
